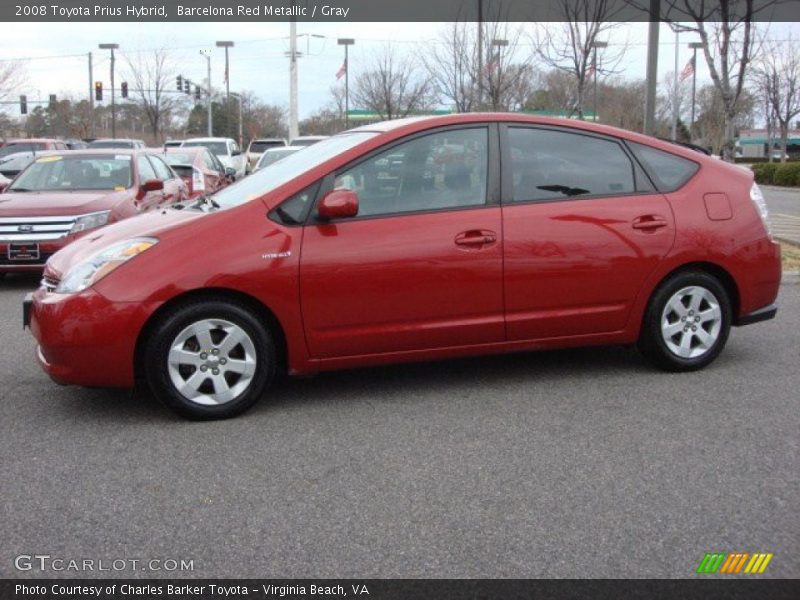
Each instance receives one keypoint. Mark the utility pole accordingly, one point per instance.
(480, 54)
(91, 97)
(346, 42)
(694, 46)
(652, 67)
(226, 45)
(596, 45)
(293, 126)
(112, 47)
(675, 89)
(239, 98)
(207, 55)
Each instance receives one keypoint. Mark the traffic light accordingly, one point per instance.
(23, 105)
(98, 91)
(197, 92)
(179, 83)
(124, 86)
(52, 100)
(187, 87)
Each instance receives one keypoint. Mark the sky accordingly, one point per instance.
(258, 61)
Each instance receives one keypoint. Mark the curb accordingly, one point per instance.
(790, 278)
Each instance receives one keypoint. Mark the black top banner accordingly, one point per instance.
(399, 11)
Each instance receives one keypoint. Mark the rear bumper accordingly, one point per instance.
(762, 314)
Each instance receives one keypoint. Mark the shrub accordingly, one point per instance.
(788, 174)
(765, 172)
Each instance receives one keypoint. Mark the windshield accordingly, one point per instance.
(294, 165)
(111, 144)
(20, 147)
(75, 173)
(179, 158)
(215, 147)
(261, 145)
(273, 156)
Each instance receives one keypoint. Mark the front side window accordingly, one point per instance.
(436, 171)
(146, 171)
(551, 165)
(162, 170)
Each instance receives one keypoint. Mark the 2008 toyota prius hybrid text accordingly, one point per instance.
(414, 239)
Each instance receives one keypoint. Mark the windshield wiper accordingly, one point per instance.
(18, 189)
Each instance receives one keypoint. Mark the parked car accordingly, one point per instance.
(225, 149)
(538, 233)
(14, 146)
(307, 140)
(116, 143)
(202, 172)
(258, 146)
(12, 164)
(63, 195)
(275, 154)
(74, 144)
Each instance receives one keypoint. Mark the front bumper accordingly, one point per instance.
(85, 339)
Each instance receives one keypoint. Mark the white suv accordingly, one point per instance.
(225, 149)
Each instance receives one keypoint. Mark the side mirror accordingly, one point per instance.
(3, 186)
(338, 204)
(236, 153)
(230, 172)
(152, 185)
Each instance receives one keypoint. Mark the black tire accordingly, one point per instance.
(652, 342)
(160, 376)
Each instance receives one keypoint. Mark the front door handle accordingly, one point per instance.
(649, 222)
(476, 238)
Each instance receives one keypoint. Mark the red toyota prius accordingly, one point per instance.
(410, 240)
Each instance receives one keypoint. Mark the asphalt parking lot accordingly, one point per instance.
(582, 463)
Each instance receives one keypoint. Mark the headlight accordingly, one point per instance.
(90, 221)
(97, 266)
(758, 199)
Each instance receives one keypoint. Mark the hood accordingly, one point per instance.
(151, 224)
(58, 204)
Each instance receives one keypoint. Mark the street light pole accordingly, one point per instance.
(497, 63)
(293, 125)
(207, 55)
(652, 67)
(112, 47)
(675, 89)
(596, 45)
(346, 42)
(694, 46)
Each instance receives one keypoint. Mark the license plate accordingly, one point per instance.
(23, 251)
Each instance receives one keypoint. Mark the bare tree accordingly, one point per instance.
(730, 39)
(778, 75)
(451, 63)
(569, 46)
(712, 125)
(152, 77)
(393, 87)
(12, 76)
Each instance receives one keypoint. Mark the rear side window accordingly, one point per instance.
(669, 172)
(554, 165)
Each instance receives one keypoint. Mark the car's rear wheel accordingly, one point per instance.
(210, 360)
(687, 322)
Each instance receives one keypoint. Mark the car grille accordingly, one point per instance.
(34, 229)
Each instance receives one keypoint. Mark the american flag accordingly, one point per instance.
(342, 70)
(688, 70)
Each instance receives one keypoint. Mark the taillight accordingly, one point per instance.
(198, 180)
(761, 206)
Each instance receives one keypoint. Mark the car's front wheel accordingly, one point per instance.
(209, 359)
(687, 322)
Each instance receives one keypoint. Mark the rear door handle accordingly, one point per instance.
(649, 222)
(476, 238)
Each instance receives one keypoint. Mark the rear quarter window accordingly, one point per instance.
(668, 171)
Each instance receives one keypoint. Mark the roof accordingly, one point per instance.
(31, 140)
(208, 139)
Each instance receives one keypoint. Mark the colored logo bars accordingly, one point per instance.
(734, 563)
